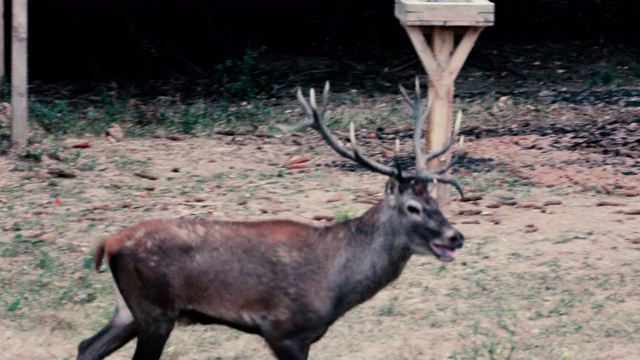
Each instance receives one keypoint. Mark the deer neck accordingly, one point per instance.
(376, 253)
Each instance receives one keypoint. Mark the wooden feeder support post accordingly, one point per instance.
(19, 89)
(442, 59)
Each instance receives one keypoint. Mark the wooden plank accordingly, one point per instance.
(461, 53)
(19, 90)
(461, 6)
(445, 13)
(423, 50)
(444, 23)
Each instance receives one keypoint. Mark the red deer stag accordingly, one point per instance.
(283, 280)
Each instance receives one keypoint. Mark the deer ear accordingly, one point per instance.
(392, 190)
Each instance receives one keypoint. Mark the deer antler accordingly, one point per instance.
(315, 119)
(419, 117)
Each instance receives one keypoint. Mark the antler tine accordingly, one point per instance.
(450, 181)
(419, 117)
(308, 113)
(315, 119)
(364, 161)
(325, 99)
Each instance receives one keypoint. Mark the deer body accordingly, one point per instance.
(283, 280)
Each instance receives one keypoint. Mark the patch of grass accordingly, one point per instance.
(20, 246)
(32, 154)
(492, 349)
(279, 174)
(344, 214)
(193, 118)
(604, 76)
(387, 309)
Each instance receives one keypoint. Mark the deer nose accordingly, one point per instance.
(457, 240)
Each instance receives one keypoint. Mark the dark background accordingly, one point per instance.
(106, 40)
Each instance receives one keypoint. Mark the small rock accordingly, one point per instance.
(242, 202)
(115, 131)
(335, 197)
(547, 93)
(552, 202)
(470, 221)
(509, 202)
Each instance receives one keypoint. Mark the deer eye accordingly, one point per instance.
(413, 209)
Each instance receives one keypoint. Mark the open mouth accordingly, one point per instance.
(443, 253)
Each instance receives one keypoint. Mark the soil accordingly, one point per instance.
(552, 274)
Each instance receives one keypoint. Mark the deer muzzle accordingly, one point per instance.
(445, 248)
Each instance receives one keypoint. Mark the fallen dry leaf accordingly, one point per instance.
(609, 203)
(469, 198)
(145, 175)
(470, 212)
(46, 237)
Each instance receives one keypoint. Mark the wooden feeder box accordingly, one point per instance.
(445, 12)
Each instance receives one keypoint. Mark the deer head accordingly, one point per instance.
(408, 202)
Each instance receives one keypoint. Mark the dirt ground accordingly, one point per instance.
(549, 270)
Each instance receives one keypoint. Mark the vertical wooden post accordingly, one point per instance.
(441, 117)
(442, 59)
(19, 90)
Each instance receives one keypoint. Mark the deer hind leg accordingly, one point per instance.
(291, 349)
(120, 330)
(151, 340)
